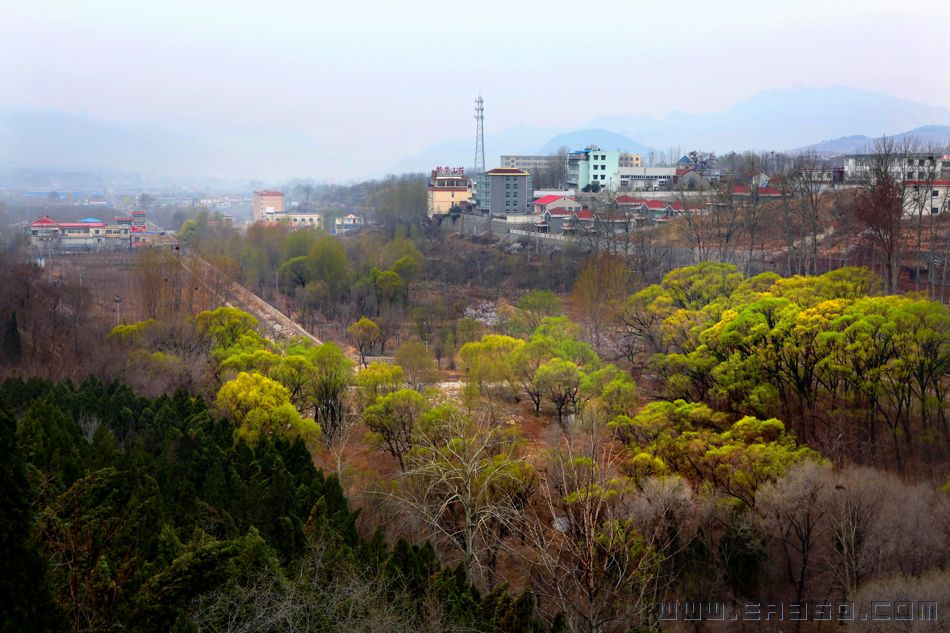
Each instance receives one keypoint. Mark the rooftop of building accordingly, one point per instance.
(552, 198)
(506, 171)
(85, 222)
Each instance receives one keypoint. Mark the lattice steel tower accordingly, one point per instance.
(479, 136)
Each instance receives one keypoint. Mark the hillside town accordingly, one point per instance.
(655, 338)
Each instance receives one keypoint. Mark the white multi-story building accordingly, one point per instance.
(646, 178)
(926, 179)
(593, 168)
(904, 167)
(532, 164)
(927, 197)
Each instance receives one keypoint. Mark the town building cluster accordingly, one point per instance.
(267, 207)
(90, 233)
(617, 189)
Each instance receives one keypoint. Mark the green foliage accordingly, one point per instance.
(813, 351)
(536, 306)
(378, 379)
(12, 345)
(418, 363)
(189, 232)
(363, 334)
(166, 507)
(52, 444)
(559, 380)
(695, 442)
(27, 603)
(331, 374)
(330, 265)
(131, 333)
(226, 326)
(392, 421)
(261, 407)
(486, 364)
(611, 392)
(294, 273)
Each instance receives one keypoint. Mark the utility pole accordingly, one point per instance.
(117, 300)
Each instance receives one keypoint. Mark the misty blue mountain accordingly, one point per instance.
(783, 119)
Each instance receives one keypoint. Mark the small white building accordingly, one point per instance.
(540, 193)
(927, 197)
(646, 178)
(349, 223)
(904, 167)
(296, 219)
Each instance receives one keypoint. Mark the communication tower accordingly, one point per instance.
(479, 137)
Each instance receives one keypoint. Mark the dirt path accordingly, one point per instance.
(235, 295)
(277, 324)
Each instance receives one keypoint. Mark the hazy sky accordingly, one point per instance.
(375, 81)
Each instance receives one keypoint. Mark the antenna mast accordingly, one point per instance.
(479, 136)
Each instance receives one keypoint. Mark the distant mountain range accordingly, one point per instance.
(779, 120)
(606, 139)
(49, 140)
(782, 120)
(772, 120)
(928, 136)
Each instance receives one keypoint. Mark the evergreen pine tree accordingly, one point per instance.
(12, 345)
(27, 604)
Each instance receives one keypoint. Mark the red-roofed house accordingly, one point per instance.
(552, 202)
(630, 201)
(690, 179)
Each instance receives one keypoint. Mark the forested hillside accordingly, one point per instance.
(129, 513)
(460, 454)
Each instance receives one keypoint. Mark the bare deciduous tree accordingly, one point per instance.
(467, 482)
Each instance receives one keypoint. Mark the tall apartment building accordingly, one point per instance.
(265, 202)
(593, 166)
(505, 190)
